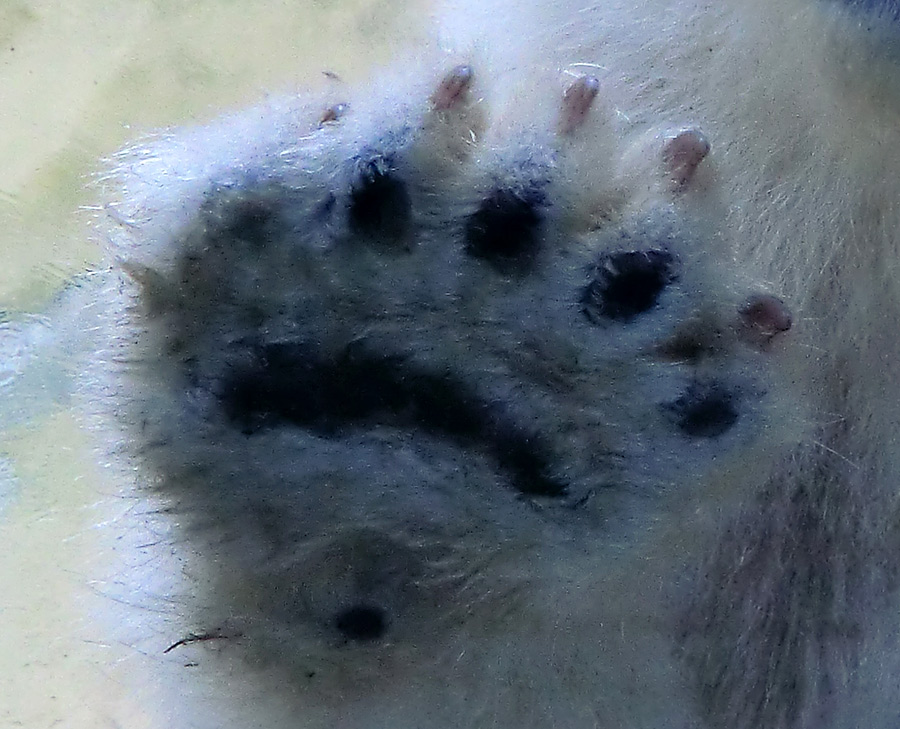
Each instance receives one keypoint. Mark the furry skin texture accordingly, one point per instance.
(500, 397)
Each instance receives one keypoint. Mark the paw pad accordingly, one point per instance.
(250, 222)
(380, 203)
(627, 284)
(505, 229)
(362, 623)
(705, 410)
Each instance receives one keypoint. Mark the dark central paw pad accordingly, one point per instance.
(362, 623)
(291, 384)
(705, 410)
(505, 229)
(251, 222)
(627, 284)
(380, 204)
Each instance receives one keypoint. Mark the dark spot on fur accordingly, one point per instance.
(693, 343)
(627, 284)
(334, 395)
(251, 222)
(505, 229)
(240, 217)
(705, 410)
(380, 204)
(685, 348)
(362, 623)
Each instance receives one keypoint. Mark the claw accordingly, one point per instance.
(577, 100)
(452, 88)
(682, 154)
(333, 113)
(764, 317)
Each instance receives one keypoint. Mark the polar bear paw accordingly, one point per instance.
(364, 335)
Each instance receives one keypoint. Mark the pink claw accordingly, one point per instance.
(453, 88)
(764, 317)
(333, 113)
(577, 100)
(682, 154)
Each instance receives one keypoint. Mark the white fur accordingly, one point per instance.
(745, 580)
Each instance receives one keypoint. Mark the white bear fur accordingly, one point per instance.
(742, 581)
